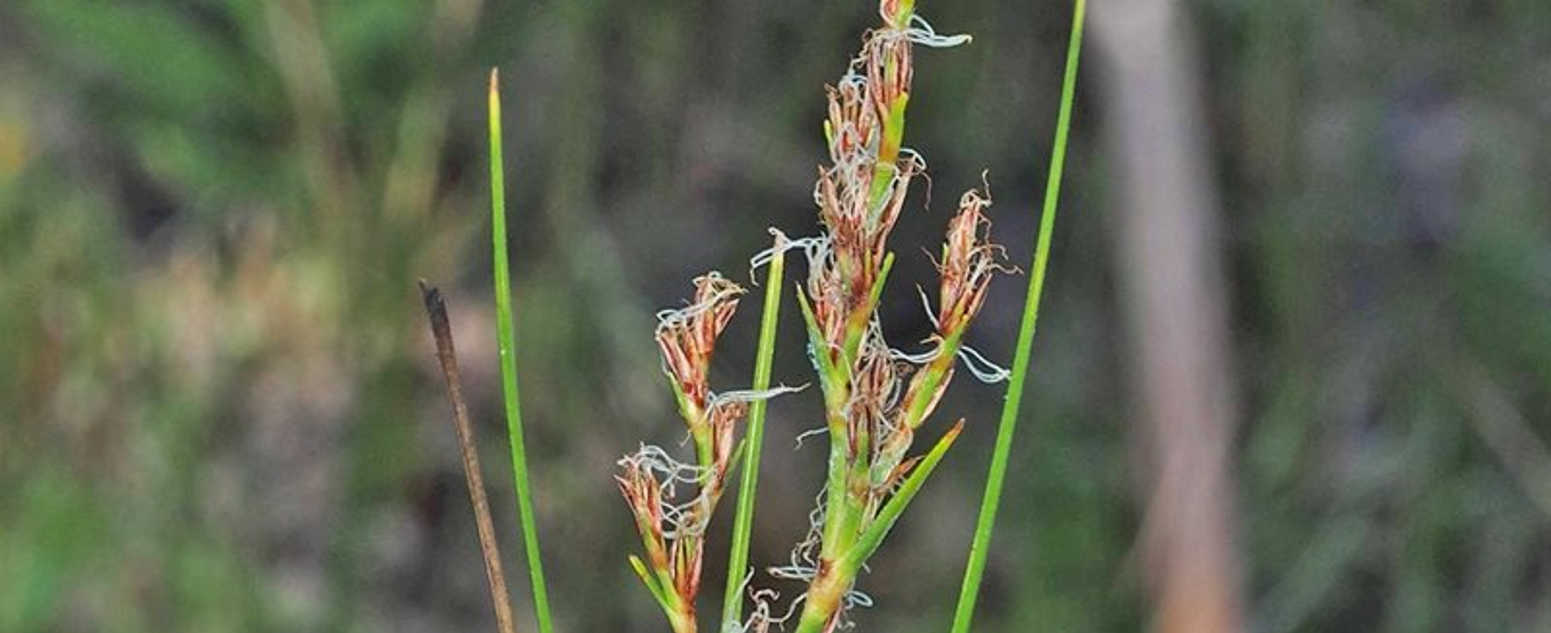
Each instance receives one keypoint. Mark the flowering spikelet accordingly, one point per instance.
(968, 261)
(687, 337)
(644, 496)
(724, 419)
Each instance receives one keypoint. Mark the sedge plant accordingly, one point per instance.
(876, 397)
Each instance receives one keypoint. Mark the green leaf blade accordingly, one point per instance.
(506, 337)
(743, 520)
(991, 501)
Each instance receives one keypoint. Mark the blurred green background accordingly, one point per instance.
(219, 411)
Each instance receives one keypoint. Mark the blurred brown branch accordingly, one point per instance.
(1174, 296)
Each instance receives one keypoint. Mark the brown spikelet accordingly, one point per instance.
(642, 494)
(968, 263)
(687, 337)
(889, 71)
(853, 123)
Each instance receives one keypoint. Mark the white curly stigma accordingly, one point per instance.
(984, 370)
(669, 473)
(921, 32)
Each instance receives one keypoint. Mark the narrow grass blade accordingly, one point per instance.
(743, 520)
(978, 550)
(649, 581)
(446, 354)
(505, 336)
(870, 539)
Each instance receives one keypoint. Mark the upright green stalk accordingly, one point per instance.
(504, 335)
(993, 492)
(743, 520)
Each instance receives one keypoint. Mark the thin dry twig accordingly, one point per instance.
(436, 309)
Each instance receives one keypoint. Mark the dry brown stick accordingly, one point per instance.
(437, 310)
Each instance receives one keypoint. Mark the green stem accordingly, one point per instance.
(1004, 434)
(836, 578)
(824, 596)
(936, 372)
(839, 521)
(743, 520)
(505, 337)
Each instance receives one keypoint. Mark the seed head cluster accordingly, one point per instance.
(671, 525)
(875, 396)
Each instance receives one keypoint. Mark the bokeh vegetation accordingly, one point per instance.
(219, 409)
